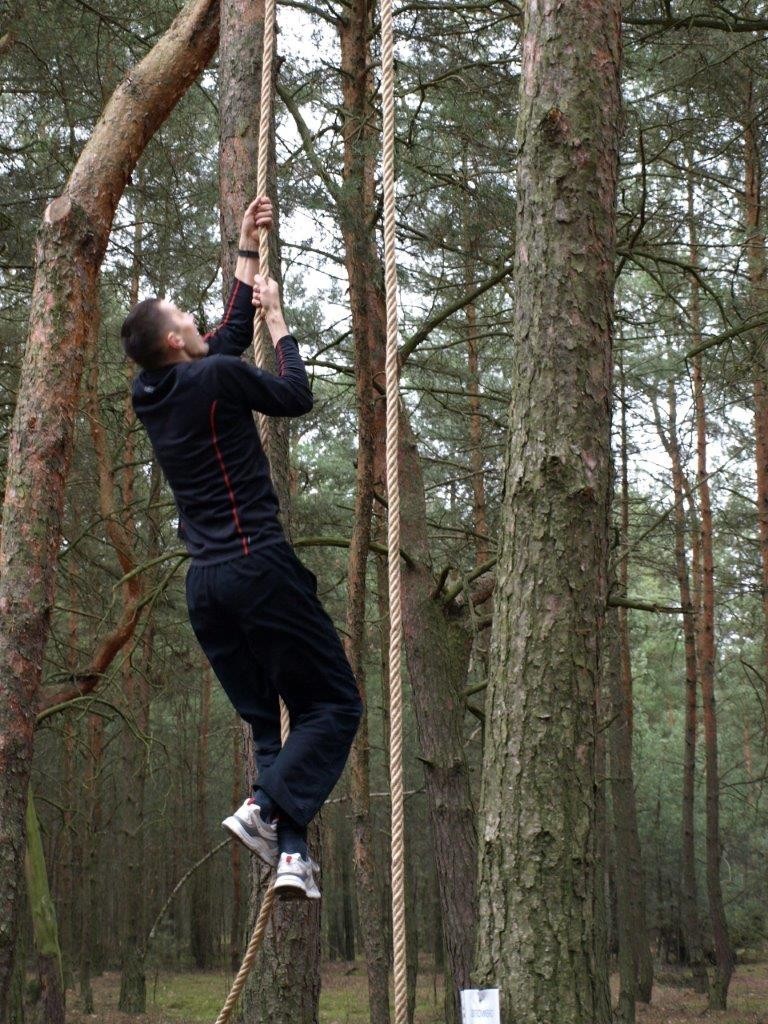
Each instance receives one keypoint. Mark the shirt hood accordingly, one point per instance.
(152, 387)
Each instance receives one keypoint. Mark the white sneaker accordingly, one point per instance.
(295, 879)
(260, 836)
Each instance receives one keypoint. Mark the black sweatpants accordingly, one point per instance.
(265, 633)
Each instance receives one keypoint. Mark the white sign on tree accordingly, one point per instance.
(480, 1006)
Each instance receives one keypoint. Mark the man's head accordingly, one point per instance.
(156, 333)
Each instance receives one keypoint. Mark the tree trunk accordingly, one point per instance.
(437, 641)
(438, 644)
(16, 1014)
(89, 952)
(133, 986)
(69, 891)
(236, 928)
(121, 531)
(347, 944)
(476, 466)
(758, 298)
(366, 872)
(360, 150)
(621, 785)
(724, 957)
(50, 1001)
(627, 809)
(70, 249)
(539, 880)
(200, 925)
(688, 886)
(602, 857)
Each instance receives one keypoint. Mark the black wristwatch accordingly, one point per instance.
(248, 254)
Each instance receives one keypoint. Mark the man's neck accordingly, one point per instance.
(180, 356)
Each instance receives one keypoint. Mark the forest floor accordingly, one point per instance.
(674, 1004)
(197, 996)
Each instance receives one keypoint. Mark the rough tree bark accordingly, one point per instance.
(116, 514)
(539, 881)
(70, 248)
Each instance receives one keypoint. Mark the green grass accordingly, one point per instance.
(197, 997)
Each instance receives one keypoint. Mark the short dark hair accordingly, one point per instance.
(143, 331)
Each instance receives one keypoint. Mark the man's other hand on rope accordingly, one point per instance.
(266, 300)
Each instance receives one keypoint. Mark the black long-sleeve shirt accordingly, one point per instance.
(199, 417)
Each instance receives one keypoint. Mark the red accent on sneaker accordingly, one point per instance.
(288, 859)
(250, 800)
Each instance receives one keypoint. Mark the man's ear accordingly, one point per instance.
(174, 341)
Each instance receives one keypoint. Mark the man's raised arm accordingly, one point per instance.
(286, 393)
(235, 332)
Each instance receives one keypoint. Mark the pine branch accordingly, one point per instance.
(726, 23)
(308, 142)
(447, 311)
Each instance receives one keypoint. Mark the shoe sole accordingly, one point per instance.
(256, 844)
(293, 887)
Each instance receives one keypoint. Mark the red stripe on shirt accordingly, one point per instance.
(227, 311)
(227, 481)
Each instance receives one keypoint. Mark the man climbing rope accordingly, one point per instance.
(252, 604)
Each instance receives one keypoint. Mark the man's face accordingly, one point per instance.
(182, 326)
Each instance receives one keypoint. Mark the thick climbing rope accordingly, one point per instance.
(393, 499)
(261, 343)
(252, 950)
(393, 520)
(260, 335)
(260, 350)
